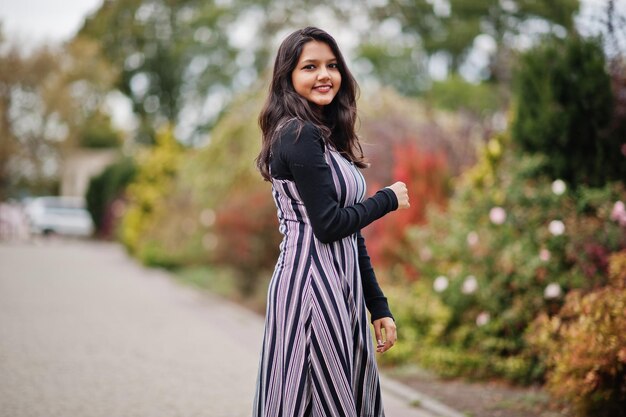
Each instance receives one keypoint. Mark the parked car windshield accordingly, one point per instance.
(62, 203)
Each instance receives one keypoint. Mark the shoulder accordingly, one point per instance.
(295, 128)
(296, 135)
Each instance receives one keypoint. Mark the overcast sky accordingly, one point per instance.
(44, 20)
(58, 20)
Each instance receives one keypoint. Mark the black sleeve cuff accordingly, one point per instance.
(379, 308)
(393, 199)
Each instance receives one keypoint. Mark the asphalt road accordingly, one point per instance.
(87, 332)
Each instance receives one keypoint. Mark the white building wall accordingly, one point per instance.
(80, 165)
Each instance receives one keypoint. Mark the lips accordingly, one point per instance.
(323, 88)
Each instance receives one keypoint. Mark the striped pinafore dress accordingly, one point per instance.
(317, 356)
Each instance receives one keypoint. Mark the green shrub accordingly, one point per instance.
(196, 210)
(564, 111)
(106, 188)
(584, 346)
(240, 230)
(427, 315)
(173, 237)
(157, 169)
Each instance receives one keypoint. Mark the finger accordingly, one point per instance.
(377, 332)
(388, 344)
(385, 347)
(391, 334)
(390, 337)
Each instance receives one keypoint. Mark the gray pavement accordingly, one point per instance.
(87, 332)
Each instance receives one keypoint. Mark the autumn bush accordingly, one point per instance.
(247, 235)
(407, 140)
(174, 236)
(584, 346)
(239, 229)
(150, 189)
(427, 179)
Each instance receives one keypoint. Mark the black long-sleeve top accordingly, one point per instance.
(300, 158)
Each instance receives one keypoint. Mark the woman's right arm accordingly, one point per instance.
(306, 163)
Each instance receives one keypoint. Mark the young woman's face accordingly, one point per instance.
(316, 76)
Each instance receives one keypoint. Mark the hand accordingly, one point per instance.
(401, 193)
(389, 326)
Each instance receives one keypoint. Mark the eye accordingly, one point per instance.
(333, 65)
(308, 67)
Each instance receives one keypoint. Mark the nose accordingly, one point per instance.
(323, 74)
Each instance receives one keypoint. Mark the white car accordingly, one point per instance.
(60, 215)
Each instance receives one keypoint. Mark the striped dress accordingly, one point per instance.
(317, 355)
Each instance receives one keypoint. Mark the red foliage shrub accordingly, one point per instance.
(426, 176)
(247, 236)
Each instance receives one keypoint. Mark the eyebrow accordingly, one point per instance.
(317, 60)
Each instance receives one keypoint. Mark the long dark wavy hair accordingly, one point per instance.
(337, 119)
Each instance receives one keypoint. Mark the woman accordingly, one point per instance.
(317, 357)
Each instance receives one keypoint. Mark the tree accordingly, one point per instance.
(88, 79)
(182, 61)
(30, 130)
(46, 96)
(170, 54)
(447, 30)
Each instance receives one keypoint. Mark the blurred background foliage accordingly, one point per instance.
(106, 195)
(49, 98)
(568, 116)
(506, 119)
(183, 61)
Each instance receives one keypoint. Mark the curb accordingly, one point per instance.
(412, 396)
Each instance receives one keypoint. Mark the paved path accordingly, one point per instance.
(86, 332)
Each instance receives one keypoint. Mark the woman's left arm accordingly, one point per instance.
(375, 300)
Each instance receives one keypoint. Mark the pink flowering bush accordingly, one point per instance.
(618, 213)
(531, 225)
(510, 246)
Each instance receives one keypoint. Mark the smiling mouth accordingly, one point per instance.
(323, 88)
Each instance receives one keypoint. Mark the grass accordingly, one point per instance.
(525, 402)
(219, 281)
(226, 283)
(415, 403)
